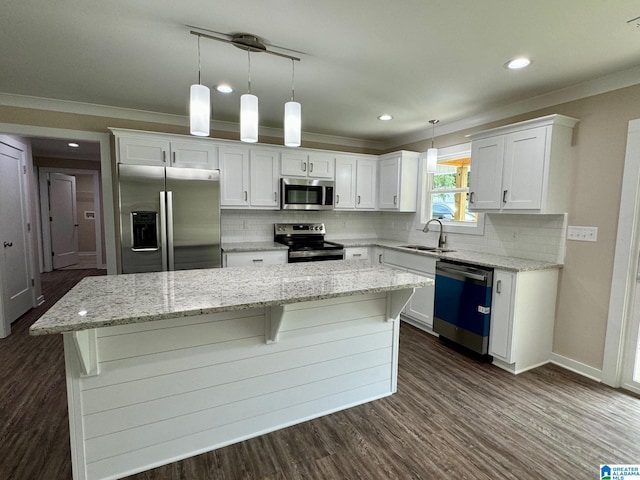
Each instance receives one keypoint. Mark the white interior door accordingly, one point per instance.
(63, 220)
(14, 236)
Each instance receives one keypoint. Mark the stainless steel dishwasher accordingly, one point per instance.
(462, 308)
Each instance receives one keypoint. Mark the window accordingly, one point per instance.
(445, 194)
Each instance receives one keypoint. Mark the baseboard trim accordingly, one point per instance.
(577, 367)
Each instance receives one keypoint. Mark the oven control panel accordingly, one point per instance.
(299, 228)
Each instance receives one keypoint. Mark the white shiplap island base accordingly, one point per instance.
(163, 366)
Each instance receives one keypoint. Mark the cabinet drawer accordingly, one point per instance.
(245, 259)
(413, 261)
(356, 253)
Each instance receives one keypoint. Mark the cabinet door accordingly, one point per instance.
(485, 187)
(264, 179)
(420, 306)
(234, 176)
(345, 183)
(294, 164)
(321, 165)
(389, 183)
(143, 151)
(366, 184)
(501, 329)
(523, 170)
(194, 154)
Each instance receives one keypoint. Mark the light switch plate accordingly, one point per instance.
(582, 234)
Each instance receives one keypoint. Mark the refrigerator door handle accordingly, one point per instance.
(170, 230)
(163, 228)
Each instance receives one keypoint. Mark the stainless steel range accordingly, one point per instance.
(306, 242)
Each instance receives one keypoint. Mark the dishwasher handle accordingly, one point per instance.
(461, 271)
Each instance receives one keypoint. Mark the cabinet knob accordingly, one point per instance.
(499, 286)
(246, 195)
(358, 199)
(8, 244)
(173, 159)
(310, 167)
(471, 194)
(380, 258)
(504, 196)
(275, 196)
(337, 198)
(304, 166)
(395, 199)
(164, 156)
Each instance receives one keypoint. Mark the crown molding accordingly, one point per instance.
(79, 108)
(596, 86)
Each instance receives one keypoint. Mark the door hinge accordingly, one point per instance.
(53, 254)
(49, 182)
(28, 226)
(24, 169)
(51, 219)
(33, 282)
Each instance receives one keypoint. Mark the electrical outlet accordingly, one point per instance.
(582, 234)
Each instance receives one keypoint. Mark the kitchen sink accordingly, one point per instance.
(424, 248)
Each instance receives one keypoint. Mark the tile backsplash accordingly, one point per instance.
(535, 237)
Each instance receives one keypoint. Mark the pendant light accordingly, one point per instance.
(249, 112)
(432, 153)
(199, 105)
(292, 116)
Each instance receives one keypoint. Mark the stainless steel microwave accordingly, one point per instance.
(306, 194)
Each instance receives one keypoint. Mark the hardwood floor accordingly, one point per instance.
(453, 417)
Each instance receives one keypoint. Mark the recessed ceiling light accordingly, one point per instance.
(73, 145)
(385, 117)
(223, 88)
(517, 63)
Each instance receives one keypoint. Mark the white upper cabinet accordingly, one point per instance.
(523, 167)
(345, 183)
(398, 180)
(264, 174)
(234, 176)
(366, 184)
(194, 154)
(356, 183)
(307, 164)
(163, 151)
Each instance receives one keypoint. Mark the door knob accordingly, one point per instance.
(9, 244)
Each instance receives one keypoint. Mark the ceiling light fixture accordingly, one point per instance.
(292, 116)
(249, 112)
(432, 153)
(224, 88)
(517, 63)
(199, 105)
(249, 102)
(73, 144)
(385, 117)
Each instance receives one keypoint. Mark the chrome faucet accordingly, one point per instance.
(441, 240)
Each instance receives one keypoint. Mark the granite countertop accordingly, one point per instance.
(513, 264)
(142, 297)
(252, 246)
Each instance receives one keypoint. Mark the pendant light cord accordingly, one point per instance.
(293, 75)
(199, 64)
(249, 58)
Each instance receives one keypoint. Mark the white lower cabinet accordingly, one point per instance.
(419, 309)
(522, 317)
(254, 258)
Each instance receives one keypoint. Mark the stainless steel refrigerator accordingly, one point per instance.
(169, 218)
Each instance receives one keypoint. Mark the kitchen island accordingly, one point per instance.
(163, 366)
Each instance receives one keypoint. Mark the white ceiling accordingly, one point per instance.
(414, 59)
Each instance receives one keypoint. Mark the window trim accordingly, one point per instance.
(425, 179)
